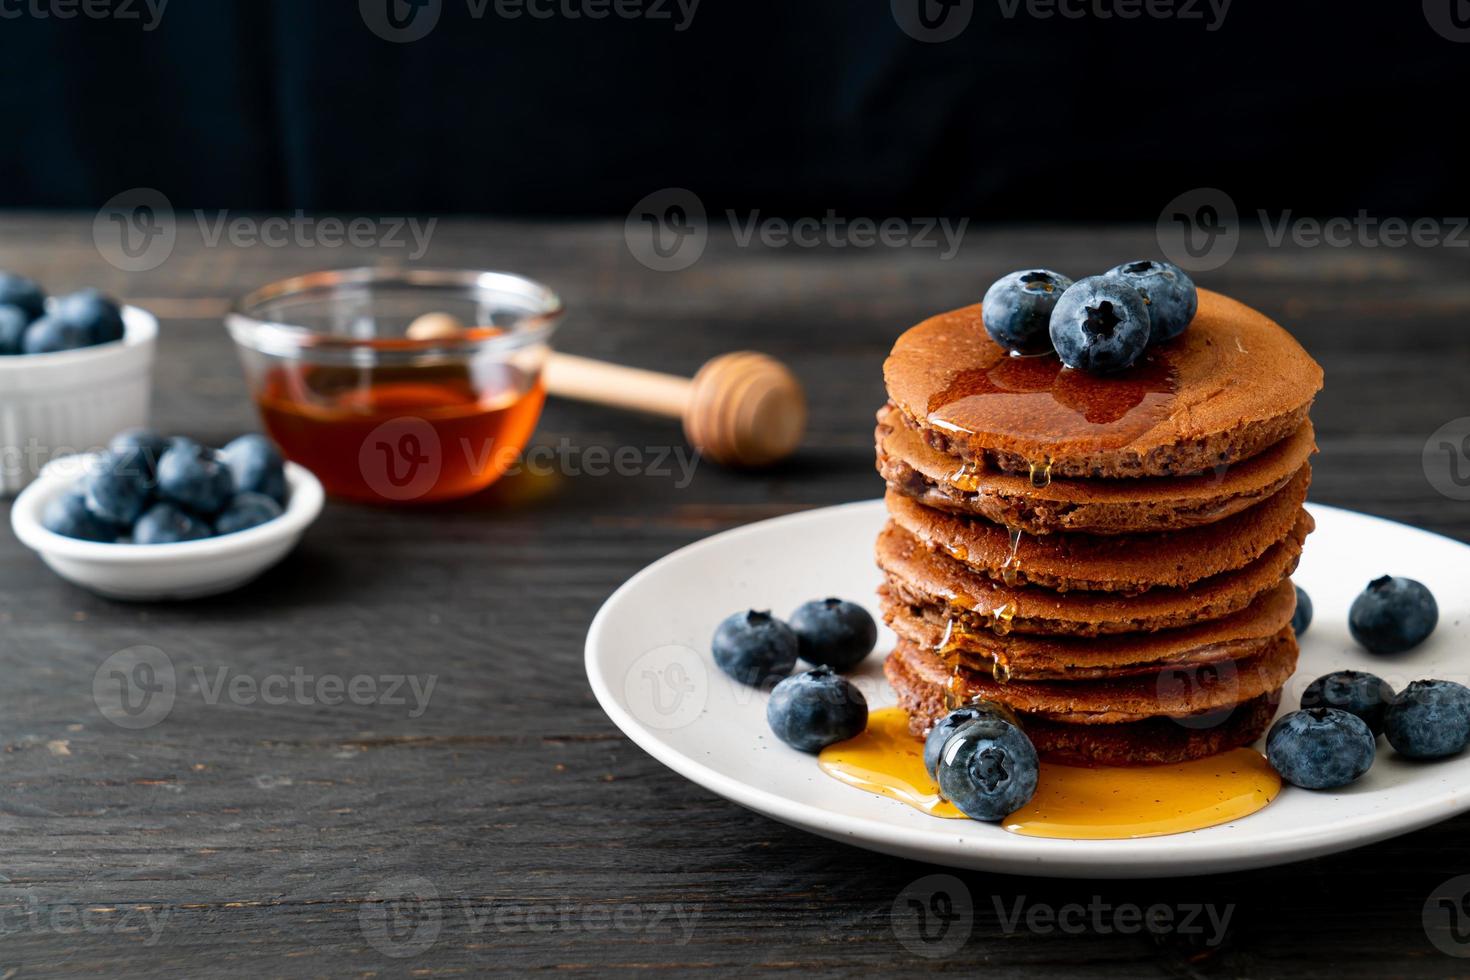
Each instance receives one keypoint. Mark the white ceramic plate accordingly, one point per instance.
(649, 664)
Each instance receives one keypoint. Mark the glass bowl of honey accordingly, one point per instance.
(398, 386)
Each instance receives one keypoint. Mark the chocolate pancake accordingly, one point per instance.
(919, 577)
(1228, 388)
(1198, 714)
(917, 470)
(1130, 563)
(1025, 657)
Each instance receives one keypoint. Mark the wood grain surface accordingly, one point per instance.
(520, 829)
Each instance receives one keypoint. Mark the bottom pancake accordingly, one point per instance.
(921, 681)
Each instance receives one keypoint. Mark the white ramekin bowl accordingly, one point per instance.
(162, 572)
(72, 401)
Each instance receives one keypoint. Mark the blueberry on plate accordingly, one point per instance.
(147, 444)
(1354, 691)
(195, 477)
(68, 515)
(100, 317)
(247, 510)
(988, 769)
(1429, 720)
(953, 722)
(816, 709)
(1320, 748)
(117, 486)
(163, 523)
(257, 466)
(22, 292)
(13, 323)
(1017, 309)
(1168, 292)
(1100, 325)
(1393, 615)
(755, 648)
(50, 334)
(1302, 618)
(834, 633)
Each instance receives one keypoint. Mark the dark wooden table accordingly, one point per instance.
(526, 832)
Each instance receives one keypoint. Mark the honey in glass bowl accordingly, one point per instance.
(379, 416)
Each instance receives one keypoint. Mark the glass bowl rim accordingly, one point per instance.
(288, 340)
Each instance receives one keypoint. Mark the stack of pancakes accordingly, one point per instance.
(1109, 556)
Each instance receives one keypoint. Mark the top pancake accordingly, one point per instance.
(1229, 387)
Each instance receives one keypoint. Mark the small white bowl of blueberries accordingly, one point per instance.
(74, 368)
(154, 518)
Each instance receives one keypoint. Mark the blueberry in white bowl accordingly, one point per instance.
(166, 523)
(24, 294)
(194, 477)
(256, 465)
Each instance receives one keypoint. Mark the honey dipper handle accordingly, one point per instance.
(741, 409)
(585, 380)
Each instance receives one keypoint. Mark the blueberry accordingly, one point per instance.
(953, 722)
(1168, 292)
(68, 515)
(1302, 618)
(834, 633)
(1320, 748)
(87, 309)
(755, 648)
(13, 323)
(988, 769)
(1358, 693)
(163, 523)
(1017, 309)
(24, 293)
(1429, 719)
(149, 445)
(1100, 325)
(813, 710)
(257, 466)
(1393, 615)
(50, 334)
(117, 486)
(247, 510)
(194, 476)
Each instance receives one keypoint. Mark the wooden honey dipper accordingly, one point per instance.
(741, 409)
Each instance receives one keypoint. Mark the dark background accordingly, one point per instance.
(789, 106)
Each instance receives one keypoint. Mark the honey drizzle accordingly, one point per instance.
(1010, 569)
(1105, 803)
(966, 478)
(1041, 473)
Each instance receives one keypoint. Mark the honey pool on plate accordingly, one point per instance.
(1071, 801)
